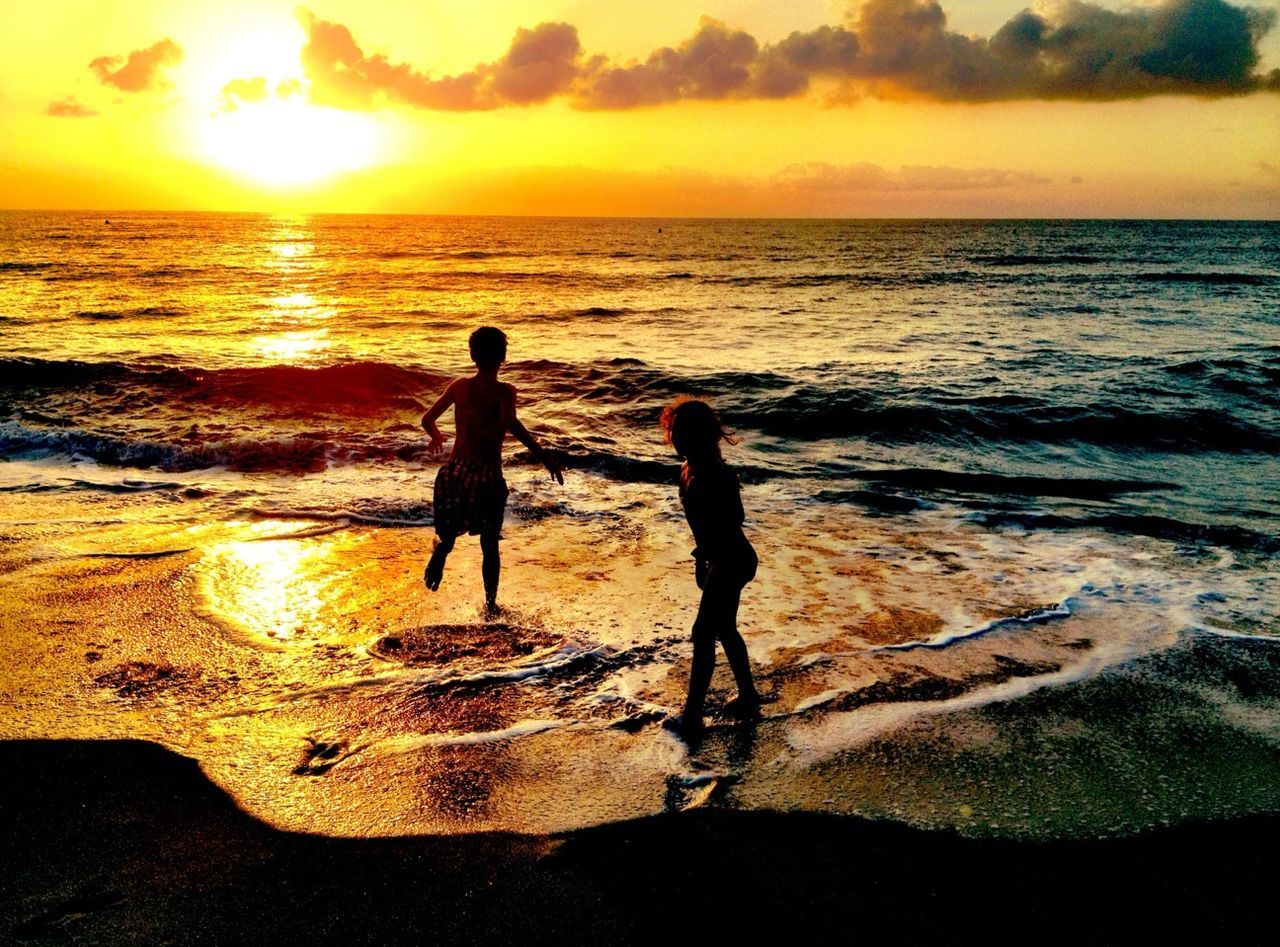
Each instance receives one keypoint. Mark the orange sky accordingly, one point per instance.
(808, 108)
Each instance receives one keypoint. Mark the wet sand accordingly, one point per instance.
(115, 842)
(302, 664)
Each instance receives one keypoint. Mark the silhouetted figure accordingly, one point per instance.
(470, 493)
(724, 561)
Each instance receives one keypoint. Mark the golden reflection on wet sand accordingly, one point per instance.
(279, 588)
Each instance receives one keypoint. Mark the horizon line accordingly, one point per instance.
(107, 212)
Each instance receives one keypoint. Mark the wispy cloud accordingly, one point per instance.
(69, 107)
(817, 176)
(1065, 49)
(142, 70)
(244, 90)
(817, 190)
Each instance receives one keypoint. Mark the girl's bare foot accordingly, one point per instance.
(689, 730)
(744, 707)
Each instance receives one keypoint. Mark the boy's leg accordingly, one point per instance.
(435, 567)
(490, 567)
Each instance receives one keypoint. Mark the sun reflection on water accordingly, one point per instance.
(292, 346)
(299, 318)
(291, 250)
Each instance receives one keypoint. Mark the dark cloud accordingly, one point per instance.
(785, 69)
(141, 70)
(540, 64)
(1073, 50)
(69, 108)
(715, 63)
(1067, 50)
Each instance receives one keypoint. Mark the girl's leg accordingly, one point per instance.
(719, 605)
(735, 649)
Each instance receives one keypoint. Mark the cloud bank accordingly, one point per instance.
(142, 70)
(807, 190)
(1066, 49)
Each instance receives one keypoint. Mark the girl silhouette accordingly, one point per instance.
(724, 561)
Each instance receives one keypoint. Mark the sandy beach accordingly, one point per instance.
(121, 842)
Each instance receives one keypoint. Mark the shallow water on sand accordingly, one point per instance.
(945, 674)
(1012, 486)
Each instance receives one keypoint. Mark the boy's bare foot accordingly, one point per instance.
(492, 610)
(435, 568)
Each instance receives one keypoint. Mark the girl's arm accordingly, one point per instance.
(429, 419)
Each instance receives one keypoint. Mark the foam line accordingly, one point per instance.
(1237, 635)
(525, 728)
(944, 639)
(334, 515)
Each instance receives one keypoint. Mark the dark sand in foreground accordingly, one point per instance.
(125, 842)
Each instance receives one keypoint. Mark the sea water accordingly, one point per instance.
(1012, 484)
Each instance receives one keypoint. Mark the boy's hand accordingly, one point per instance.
(554, 469)
(437, 443)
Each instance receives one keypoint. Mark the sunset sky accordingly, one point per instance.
(662, 108)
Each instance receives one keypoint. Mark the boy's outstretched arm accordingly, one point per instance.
(521, 433)
(429, 420)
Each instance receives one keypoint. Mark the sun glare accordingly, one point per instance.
(288, 142)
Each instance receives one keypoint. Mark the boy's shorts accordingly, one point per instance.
(469, 498)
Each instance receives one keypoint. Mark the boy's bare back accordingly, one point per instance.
(482, 411)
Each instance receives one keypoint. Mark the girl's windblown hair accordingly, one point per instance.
(692, 426)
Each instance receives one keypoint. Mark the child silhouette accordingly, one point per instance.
(724, 561)
(470, 492)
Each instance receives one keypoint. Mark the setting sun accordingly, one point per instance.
(287, 142)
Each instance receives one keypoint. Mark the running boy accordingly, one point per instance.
(470, 493)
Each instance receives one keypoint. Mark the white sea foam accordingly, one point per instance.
(945, 638)
(409, 743)
(822, 737)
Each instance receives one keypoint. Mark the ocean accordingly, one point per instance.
(1012, 484)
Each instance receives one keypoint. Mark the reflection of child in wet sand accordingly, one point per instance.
(470, 494)
(724, 559)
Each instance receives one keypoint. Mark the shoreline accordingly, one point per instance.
(126, 842)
